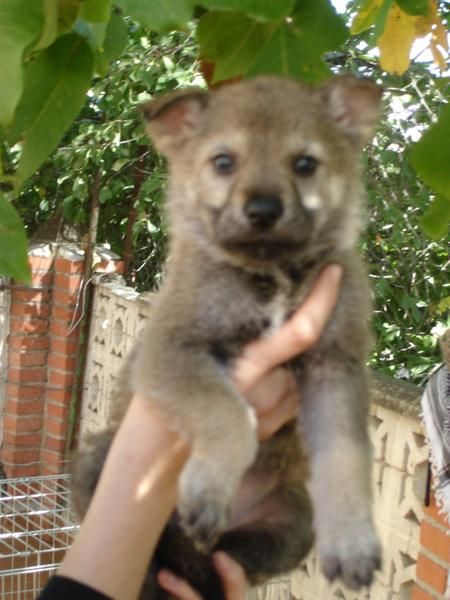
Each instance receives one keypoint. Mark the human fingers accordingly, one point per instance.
(275, 399)
(295, 336)
(176, 586)
(232, 575)
(283, 411)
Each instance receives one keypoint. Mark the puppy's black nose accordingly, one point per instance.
(263, 210)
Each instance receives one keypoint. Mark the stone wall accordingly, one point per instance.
(416, 549)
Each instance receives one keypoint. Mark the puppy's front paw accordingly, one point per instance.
(353, 557)
(203, 506)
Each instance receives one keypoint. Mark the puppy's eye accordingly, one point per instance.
(305, 165)
(224, 163)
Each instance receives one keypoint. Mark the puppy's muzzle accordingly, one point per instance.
(263, 210)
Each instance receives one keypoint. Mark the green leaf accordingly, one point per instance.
(288, 54)
(414, 7)
(56, 83)
(68, 13)
(116, 36)
(160, 15)
(96, 11)
(319, 26)
(21, 22)
(94, 33)
(13, 243)
(294, 48)
(430, 154)
(265, 10)
(50, 28)
(437, 218)
(232, 41)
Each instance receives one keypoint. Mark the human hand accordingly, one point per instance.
(271, 389)
(231, 574)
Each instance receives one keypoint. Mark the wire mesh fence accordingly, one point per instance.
(36, 527)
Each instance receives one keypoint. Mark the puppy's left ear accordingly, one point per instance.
(171, 120)
(354, 105)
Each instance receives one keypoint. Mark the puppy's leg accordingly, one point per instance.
(334, 419)
(277, 540)
(201, 400)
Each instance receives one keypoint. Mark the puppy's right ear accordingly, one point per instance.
(171, 120)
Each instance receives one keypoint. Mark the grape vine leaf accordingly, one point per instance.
(264, 10)
(55, 89)
(13, 243)
(160, 15)
(21, 22)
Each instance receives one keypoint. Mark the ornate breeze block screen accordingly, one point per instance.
(399, 475)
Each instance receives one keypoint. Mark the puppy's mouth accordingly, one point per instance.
(262, 248)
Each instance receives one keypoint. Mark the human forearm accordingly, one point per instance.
(134, 498)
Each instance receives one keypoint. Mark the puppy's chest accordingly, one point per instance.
(277, 295)
(267, 303)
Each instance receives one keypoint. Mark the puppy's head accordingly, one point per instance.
(268, 166)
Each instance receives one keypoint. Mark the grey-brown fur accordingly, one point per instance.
(238, 266)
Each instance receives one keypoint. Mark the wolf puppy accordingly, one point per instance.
(264, 191)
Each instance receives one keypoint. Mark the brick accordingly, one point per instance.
(21, 470)
(22, 407)
(56, 427)
(435, 541)
(26, 374)
(25, 392)
(41, 278)
(63, 329)
(32, 309)
(420, 594)
(59, 397)
(49, 470)
(67, 314)
(21, 424)
(64, 265)
(29, 325)
(27, 358)
(29, 294)
(71, 283)
(53, 443)
(32, 440)
(51, 457)
(62, 345)
(28, 342)
(19, 456)
(61, 362)
(61, 379)
(40, 263)
(57, 411)
(431, 573)
(432, 511)
(66, 297)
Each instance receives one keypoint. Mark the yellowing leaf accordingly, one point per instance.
(396, 40)
(366, 16)
(439, 40)
(403, 29)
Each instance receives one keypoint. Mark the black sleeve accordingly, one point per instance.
(64, 588)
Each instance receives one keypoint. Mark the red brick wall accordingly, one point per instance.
(433, 565)
(43, 347)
